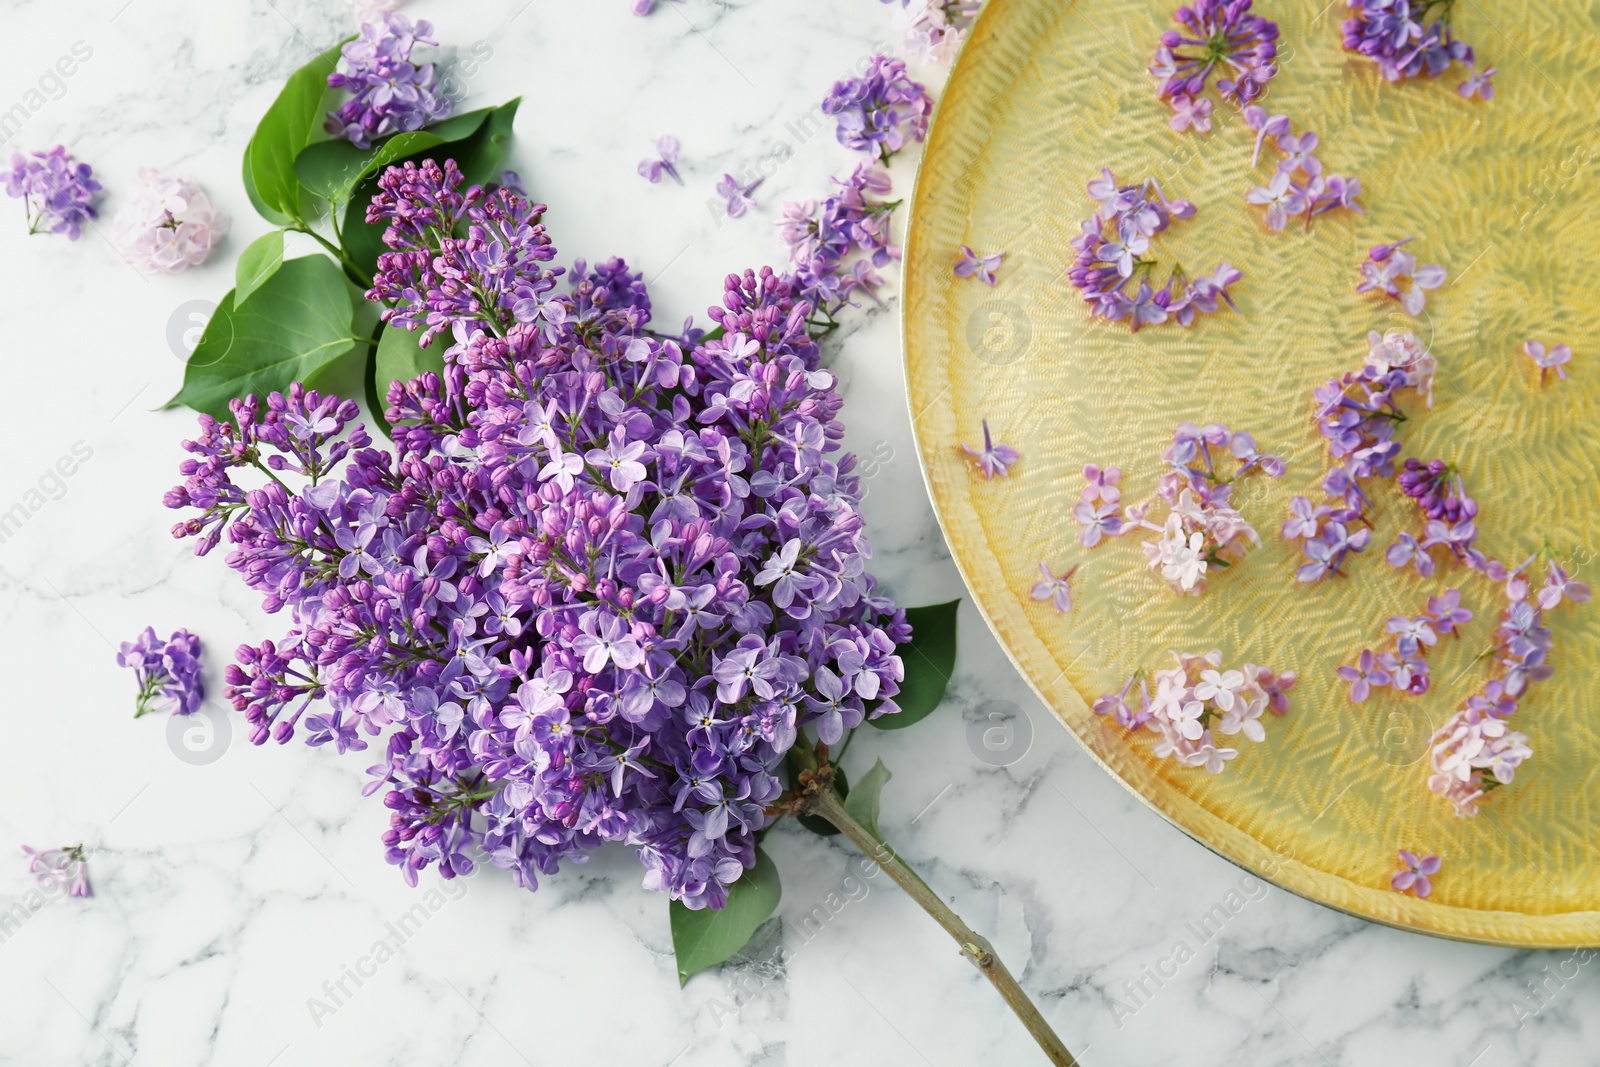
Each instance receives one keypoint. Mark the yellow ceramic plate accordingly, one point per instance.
(1503, 195)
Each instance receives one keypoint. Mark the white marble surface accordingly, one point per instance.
(227, 895)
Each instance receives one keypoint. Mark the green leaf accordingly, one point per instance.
(862, 803)
(258, 263)
(332, 169)
(285, 129)
(401, 358)
(929, 658)
(479, 156)
(705, 938)
(297, 322)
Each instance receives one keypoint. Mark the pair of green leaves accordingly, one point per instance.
(705, 938)
(295, 320)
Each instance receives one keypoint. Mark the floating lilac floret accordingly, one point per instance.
(1111, 257)
(1393, 271)
(995, 458)
(60, 868)
(57, 191)
(1199, 702)
(389, 93)
(1397, 37)
(1054, 589)
(1555, 359)
(972, 265)
(663, 162)
(1415, 873)
(1218, 36)
(552, 660)
(168, 672)
(878, 110)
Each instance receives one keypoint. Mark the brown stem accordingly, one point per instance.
(826, 803)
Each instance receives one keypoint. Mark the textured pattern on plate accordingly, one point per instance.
(1503, 195)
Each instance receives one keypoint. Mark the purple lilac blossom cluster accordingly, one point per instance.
(1476, 752)
(1396, 35)
(1406, 668)
(1298, 187)
(168, 672)
(936, 28)
(388, 93)
(1111, 254)
(823, 238)
(1220, 36)
(877, 110)
(1391, 270)
(1357, 413)
(60, 868)
(605, 580)
(1202, 528)
(1197, 700)
(56, 190)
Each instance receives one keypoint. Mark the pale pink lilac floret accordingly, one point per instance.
(1202, 529)
(936, 28)
(1476, 752)
(1554, 359)
(57, 869)
(1415, 873)
(1197, 703)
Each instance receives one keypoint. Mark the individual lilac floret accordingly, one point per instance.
(1554, 359)
(1054, 589)
(663, 161)
(1395, 35)
(1393, 271)
(1415, 873)
(60, 868)
(168, 672)
(56, 190)
(737, 197)
(644, 7)
(1111, 258)
(877, 110)
(1298, 187)
(972, 265)
(1478, 83)
(1219, 36)
(1364, 676)
(995, 458)
(389, 93)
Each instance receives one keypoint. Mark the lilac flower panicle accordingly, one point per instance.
(837, 246)
(877, 110)
(1221, 37)
(600, 586)
(388, 93)
(168, 672)
(57, 191)
(1397, 36)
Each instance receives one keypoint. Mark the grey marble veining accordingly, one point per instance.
(232, 899)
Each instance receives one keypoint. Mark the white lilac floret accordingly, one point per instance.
(600, 586)
(936, 28)
(388, 92)
(57, 191)
(168, 224)
(1199, 702)
(1112, 257)
(1202, 529)
(168, 672)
